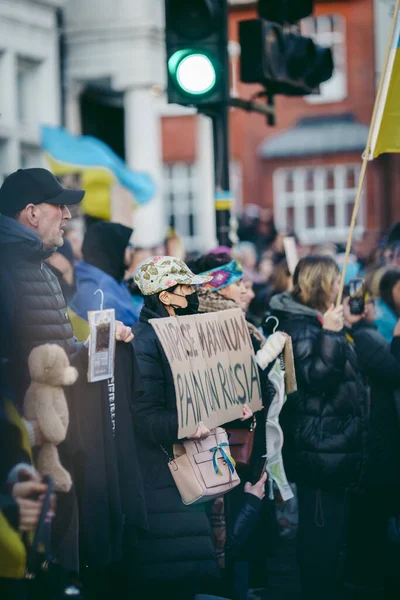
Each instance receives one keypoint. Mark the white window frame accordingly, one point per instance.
(330, 31)
(320, 198)
(28, 83)
(181, 197)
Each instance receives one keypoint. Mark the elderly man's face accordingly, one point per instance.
(51, 222)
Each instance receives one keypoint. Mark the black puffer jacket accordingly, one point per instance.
(32, 306)
(381, 370)
(178, 545)
(324, 423)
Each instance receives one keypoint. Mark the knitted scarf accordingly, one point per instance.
(213, 302)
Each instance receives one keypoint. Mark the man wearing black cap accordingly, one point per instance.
(33, 213)
(35, 199)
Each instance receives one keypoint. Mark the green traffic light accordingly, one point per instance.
(193, 72)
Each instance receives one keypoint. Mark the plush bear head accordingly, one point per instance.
(49, 364)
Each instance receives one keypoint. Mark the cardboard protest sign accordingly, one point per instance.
(213, 365)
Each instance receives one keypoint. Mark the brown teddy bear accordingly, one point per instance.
(45, 402)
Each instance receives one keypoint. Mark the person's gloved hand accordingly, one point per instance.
(271, 349)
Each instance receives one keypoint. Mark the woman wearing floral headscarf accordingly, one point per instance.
(177, 551)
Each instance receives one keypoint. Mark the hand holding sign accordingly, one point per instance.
(201, 432)
(247, 413)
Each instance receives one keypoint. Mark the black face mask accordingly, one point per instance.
(192, 307)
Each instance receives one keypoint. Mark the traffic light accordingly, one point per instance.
(197, 54)
(285, 11)
(284, 62)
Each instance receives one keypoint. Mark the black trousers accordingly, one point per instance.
(370, 560)
(321, 542)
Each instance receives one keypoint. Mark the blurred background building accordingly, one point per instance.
(97, 67)
(30, 83)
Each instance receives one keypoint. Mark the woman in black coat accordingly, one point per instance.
(378, 498)
(177, 551)
(323, 423)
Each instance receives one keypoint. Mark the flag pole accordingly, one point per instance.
(352, 226)
(366, 154)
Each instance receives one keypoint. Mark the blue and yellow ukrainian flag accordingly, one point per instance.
(385, 126)
(99, 169)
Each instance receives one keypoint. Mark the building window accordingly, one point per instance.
(329, 31)
(182, 202)
(28, 90)
(316, 203)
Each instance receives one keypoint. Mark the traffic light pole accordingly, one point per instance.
(223, 199)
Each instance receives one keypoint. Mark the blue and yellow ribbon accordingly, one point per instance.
(225, 455)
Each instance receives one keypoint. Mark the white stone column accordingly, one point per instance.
(72, 107)
(144, 153)
(206, 225)
(9, 110)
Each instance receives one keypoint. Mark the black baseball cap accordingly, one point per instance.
(34, 186)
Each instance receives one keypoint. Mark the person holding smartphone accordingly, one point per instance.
(324, 422)
(379, 496)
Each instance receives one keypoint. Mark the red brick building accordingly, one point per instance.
(305, 169)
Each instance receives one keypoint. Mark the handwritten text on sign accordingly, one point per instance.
(213, 364)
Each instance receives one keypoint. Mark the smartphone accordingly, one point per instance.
(259, 470)
(357, 301)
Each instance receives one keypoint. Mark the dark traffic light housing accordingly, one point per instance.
(285, 11)
(197, 55)
(283, 62)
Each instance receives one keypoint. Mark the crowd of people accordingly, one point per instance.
(122, 529)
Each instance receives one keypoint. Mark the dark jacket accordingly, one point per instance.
(32, 306)
(104, 464)
(178, 545)
(395, 348)
(244, 524)
(381, 371)
(324, 423)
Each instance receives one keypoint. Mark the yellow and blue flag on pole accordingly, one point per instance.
(385, 126)
(98, 167)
